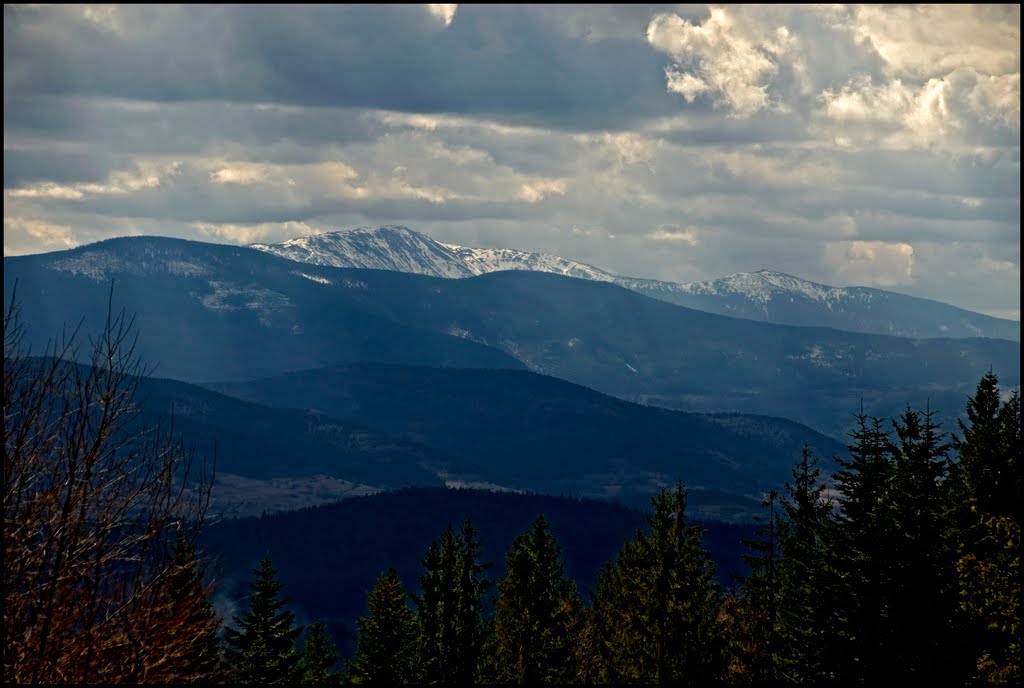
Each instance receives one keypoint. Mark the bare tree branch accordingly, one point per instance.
(93, 502)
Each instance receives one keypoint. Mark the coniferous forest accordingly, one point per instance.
(902, 566)
(908, 569)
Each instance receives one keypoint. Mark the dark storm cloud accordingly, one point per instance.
(181, 127)
(23, 167)
(499, 61)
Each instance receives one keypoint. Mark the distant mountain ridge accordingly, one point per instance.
(765, 295)
(404, 250)
(211, 312)
(525, 431)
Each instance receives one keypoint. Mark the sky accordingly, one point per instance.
(849, 145)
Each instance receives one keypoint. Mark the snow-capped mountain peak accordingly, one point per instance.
(766, 295)
(398, 248)
(391, 247)
(765, 285)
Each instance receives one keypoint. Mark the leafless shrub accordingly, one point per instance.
(93, 503)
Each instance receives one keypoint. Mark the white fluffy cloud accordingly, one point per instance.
(146, 175)
(897, 76)
(25, 235)
(729, 59)
(925, 41)
(265, 232)
(689, 235)
(445, 13)
(871, 263)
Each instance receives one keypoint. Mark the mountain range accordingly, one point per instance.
(765, 295)
(215, 313)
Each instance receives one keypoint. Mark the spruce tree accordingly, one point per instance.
(319, 656)
(923, 609)
(656, 606)
(538, 612)
(262, 649)
(806, 602)
(182, 628)
(864, 549)
(451, 609)
(989, 467)
(191, 608)
(758, 641)
(989, 495)
(387, 649)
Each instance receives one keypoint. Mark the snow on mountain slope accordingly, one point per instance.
(382, 248)
(764, 285)
(483, 260)
(764, 295)
(780, 298)
(404, 250)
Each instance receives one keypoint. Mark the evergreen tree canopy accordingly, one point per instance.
(387, 648)
(262, 649)
(188, 619)
(758, 641)
(319, 656)
(656, 606)
(806, 603)
(989, 452)
(451, 609)
(864, 549)
(989, 488)
(922, 583)
(538, 612)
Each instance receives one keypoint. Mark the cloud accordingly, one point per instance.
(773, 168)
(266, 232)
(950, 78)
(511, 63)
(446, 13)
(238, 174)
(897, 76)
(536, 191)
(25, 235)
(720, 57)
(669, 233)
(47, 190)
(104, 17)
(943, 112)
(871, 263)
(145, 176)
(926, 41)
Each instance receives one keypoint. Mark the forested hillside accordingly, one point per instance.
(907, 571)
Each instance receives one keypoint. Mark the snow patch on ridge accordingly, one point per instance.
(187, 268)
(227, 297)
(94, 265)
(766, 285)
(401, 249)
(314, 278)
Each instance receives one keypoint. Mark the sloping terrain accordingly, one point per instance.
(525, 431)
(207, 312)
(765, 295)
